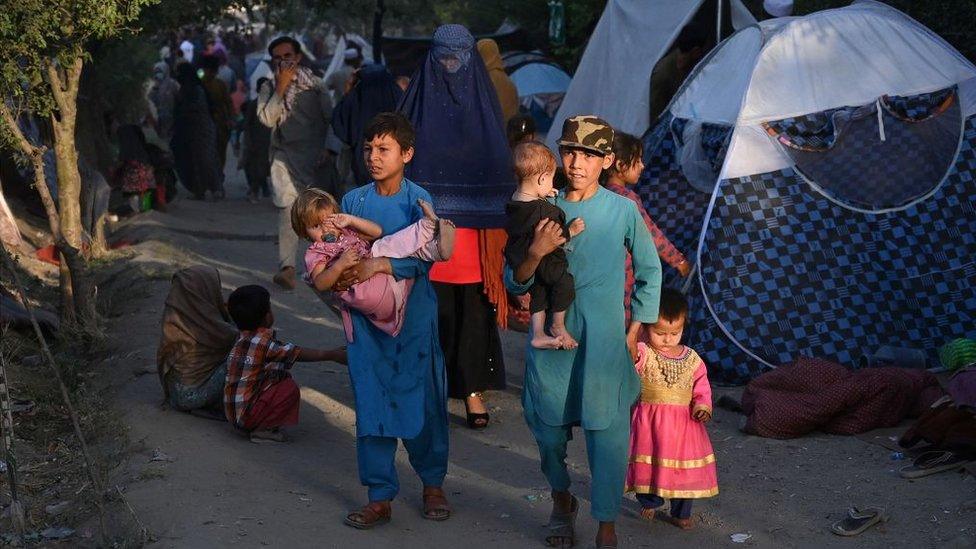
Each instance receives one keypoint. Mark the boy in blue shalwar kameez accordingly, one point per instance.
(399, 382)
(593, 386)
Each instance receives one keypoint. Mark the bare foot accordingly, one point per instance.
(560, 333)
(547, 342)
(428, 209)
(684, 524)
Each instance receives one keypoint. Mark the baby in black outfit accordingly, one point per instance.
(554, 287)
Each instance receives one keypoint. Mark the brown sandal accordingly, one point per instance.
(435, 504)
(373, 514)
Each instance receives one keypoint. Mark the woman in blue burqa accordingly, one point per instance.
(462, 158)
(375, 91)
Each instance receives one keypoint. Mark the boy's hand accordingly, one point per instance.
(632, 345)
(576, 227)
(684, 268)
(548, 237)
(701, 416)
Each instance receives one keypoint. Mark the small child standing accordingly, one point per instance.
(339, 241)
(260, 396)
(670, 453)
(554, 287)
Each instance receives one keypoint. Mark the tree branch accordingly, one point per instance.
(26, 147)
(57, 90)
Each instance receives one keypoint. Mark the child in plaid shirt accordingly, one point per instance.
(260, 396)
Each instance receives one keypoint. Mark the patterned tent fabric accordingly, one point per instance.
(788, 273)
(920, 107)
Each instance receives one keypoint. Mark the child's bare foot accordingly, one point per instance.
(684, 524)
(568, 341)
(428, 209)
(272, 435)
(547, 342)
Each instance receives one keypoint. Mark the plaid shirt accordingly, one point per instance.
(669, 254)
(256, 362)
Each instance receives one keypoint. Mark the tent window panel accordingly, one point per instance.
(855, 162)
(701, 150)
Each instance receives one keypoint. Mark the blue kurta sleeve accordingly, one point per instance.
(513, 286)
(646, 297)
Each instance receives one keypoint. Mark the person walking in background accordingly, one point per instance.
(375, 92)
(221, 108)
(297, 108)
(255, 145)
(463, 160)
(194, 142)
(504, 87)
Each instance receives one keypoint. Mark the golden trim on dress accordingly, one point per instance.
(674, 463)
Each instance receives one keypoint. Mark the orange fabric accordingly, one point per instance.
(491, 243)
(464, 267)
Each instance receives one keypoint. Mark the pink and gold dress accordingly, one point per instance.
(670, 453)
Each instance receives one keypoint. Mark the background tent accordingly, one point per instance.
(541, 85)
(826, 168)
(613, 77)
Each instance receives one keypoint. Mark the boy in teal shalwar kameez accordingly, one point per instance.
(593, 386)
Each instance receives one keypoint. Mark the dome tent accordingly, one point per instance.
(824, 167)
(541, 85)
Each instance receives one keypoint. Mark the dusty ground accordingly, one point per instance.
(221, 490)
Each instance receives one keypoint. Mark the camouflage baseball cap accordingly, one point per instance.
(587, 132)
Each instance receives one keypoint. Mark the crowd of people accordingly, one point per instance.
(451, 222)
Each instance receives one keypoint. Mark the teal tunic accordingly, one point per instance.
(391, 375)
(592, 383)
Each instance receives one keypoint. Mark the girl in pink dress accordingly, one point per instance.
(339, 241)
(670, 453)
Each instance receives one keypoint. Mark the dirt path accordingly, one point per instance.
(222, 490)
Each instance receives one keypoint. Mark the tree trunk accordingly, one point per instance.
(76, 285)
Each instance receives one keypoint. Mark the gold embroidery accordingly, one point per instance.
(667, 380)
(683, 494)
(674, 463)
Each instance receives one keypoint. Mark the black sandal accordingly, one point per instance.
(476, 422)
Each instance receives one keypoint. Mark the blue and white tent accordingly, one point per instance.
(541, 85)
(822, 170)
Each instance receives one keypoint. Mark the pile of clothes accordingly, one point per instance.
(813, 394)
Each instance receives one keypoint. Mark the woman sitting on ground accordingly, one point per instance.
(197, 336)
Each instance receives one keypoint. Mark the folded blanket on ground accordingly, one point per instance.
(812, 394)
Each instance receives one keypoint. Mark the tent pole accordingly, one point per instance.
(718, 23)
(378, 31)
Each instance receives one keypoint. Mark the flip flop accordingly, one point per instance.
(930, 463)
(857, 521)
(563, 526)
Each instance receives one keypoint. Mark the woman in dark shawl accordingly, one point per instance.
(196, 337)
(462, 158)
(376, 91)
(194, 142)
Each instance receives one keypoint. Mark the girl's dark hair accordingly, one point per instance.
(673, 305)
(248, 305)
(132, 144)
(627, 149)
(394, 124)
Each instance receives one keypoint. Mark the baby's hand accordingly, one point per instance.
(576, 227)
(701, 416)
(348, 258)
(340, 220)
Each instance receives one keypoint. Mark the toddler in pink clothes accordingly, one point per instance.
(670, 453)
(339, 241)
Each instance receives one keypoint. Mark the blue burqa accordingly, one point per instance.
(462, 156)
(375, 92)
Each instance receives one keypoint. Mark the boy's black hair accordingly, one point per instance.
(693, 35)
(296, 46)
(674, 306)
(248, 306)
(394, 124)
